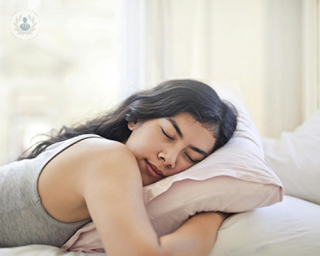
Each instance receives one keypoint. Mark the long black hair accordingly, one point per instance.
(168, 99)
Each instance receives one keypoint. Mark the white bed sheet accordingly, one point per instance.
(42, 250)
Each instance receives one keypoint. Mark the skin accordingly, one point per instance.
(171, 150)
(87, 178)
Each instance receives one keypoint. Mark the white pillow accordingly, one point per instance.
(233, 179)
(291, 227)
(296, 159)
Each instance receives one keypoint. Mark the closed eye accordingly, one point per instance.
(193, 161)
(166, 134)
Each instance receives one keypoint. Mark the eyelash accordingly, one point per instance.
(193, 161)
(166, 134)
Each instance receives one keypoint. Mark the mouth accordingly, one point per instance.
(154, 171)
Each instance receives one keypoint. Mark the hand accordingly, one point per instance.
(196, 236)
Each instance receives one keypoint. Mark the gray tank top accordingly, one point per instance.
(23, 219)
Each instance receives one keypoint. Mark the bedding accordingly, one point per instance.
(291, 227)
(42, 250)
(296, 159)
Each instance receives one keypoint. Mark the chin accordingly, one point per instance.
(148, 181)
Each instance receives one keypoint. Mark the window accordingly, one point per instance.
(66, 74)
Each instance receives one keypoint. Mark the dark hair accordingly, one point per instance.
(165, 100)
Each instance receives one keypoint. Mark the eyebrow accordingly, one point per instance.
(198, 150)
(174, 124)
(176, 127)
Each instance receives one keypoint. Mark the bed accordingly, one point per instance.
(289, 225)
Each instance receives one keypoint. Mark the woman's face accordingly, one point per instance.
(166, 146)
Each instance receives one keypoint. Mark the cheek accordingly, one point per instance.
(182, 165)
(145, 147)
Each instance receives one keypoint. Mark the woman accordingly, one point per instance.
(97, 171)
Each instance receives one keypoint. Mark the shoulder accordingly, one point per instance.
(106, 166)
(88, 165)
(99, 150)
(87, 162)
(99, 158)
(97, 144)
(90, 158)
(95, 147)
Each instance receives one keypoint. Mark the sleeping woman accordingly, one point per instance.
(96, 172)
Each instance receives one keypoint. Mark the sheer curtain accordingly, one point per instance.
(268, 46)
(144, 43)
(310, 52)
(65, 75)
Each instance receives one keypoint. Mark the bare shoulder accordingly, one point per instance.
(100, 155)
(93, 157)
(97, 161)
(63, 180)
(91, 146)
(89, 154)
(103, 146)
(107, 161)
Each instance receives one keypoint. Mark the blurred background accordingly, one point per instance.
(90, 54)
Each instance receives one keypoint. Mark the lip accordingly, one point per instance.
(154, 171)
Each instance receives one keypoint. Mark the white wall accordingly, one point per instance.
(260, 43)
(257, 42)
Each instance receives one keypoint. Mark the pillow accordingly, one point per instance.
(233, 179)
(245, 181)
(227, 190)
(288, 228)
(296, 159)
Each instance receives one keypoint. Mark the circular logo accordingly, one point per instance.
(25, 25)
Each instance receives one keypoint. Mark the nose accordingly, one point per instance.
(168, 158)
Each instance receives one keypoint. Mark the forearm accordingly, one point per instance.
(196, 237)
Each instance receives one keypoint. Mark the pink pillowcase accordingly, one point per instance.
(86, 239)
(233, 179)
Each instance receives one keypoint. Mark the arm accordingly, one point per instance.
(111, 186)
(196, 236)
(112, 189)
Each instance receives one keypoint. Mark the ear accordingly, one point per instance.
(131, 125)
